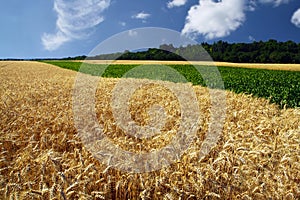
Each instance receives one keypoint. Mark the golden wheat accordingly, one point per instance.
(257, 156)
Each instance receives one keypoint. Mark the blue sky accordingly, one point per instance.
(59, 28)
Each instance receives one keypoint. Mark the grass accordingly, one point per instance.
(280, 87)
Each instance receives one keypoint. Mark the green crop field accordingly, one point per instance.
(280, 87)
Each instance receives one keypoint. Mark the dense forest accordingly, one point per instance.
(270, 51)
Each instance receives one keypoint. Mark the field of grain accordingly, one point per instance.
(289, 67)
(42, 157)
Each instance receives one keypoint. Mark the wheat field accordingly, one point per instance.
(42, 157)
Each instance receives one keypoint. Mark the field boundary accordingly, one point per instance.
(279, 86)
(287, 67)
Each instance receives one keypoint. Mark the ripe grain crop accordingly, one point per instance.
(257, 156)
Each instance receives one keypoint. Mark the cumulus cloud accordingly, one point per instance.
(296, 18)
(214, 19)
(176, 3)
(141, 15)
(75, 18)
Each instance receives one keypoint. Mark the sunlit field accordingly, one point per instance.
(42, 157)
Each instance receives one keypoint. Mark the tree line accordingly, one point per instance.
(270, 51)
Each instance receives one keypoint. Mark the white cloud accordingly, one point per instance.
(296, 18)
(54, 41)
(214, 19)
(141, 15)
(252, 4)
(74, 20)
(176, 3)
(274, 2)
